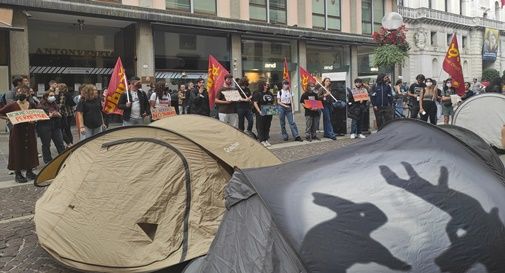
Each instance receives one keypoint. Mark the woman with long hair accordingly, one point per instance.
(325, 96)
(66, 105)
(263, 97)
(160, 96)
(427, 102)
(89, 112)
(50, 129)
(22, 140)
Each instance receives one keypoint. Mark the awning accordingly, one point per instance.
(6, 20)
(180, 75)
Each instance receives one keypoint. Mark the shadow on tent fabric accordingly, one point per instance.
(341, 242)
(476, 236)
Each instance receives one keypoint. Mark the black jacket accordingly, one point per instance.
(127, 111)
(355, 108)
(199, 104)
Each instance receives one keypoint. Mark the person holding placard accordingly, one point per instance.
(357, 104)
(312, 115)
(227, 109)
(22, 141)
(262, 100)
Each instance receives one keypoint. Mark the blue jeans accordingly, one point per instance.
(283, 113)
(91, 132)
(327, 127)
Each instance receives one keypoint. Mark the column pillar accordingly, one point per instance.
(302, 61)
(354, 63)
(19, 53)
(144, 50)
(236, 56)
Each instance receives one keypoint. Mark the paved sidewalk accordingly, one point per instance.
(7, 179)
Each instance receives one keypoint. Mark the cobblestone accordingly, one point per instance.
(18, 201)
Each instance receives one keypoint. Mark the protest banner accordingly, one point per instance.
(269, 110)
(162, 111)
(313, 104)
(232, 95)
(31, 115)
(360, 95)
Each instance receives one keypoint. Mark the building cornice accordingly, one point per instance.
(133, 13)
(441, 18)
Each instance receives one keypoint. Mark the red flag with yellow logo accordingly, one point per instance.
(285, 71)
(215, 79)
(117, 86)
(452, 65)
(306, 78)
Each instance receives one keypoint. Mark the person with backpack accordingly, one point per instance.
(66, 105)
(285, 102)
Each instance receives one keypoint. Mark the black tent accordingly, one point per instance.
(413, 198)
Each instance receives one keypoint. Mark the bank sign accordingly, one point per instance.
(74, 52)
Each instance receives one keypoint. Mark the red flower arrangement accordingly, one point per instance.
(396, 37)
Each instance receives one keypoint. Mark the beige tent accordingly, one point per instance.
(138, 199)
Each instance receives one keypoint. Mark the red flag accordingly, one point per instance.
(117, 86)
(502, 3)
(452, 65)
(306, 78)
(285, 72)
(215, 79)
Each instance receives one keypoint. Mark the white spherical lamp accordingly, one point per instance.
(392, 20)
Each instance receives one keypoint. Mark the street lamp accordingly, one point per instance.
(392, 21)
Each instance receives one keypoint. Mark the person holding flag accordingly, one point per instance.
(244, 107)
(325, 96)
(134, 104)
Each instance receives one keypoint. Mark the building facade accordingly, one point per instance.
(78, 41)
(431, 24)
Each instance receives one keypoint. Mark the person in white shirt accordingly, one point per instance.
(160, 96)
(285, 102)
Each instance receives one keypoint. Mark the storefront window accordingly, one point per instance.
(324, 59)
(73, 55)
(365, 62)
(372, 12)
(258, 10)
(263, 60)
(187, 53)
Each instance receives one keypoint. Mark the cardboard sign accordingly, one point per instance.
(269, 110)
(27, 116)
(232, 95)
(162, 112)
(360, 96)
(313, 104)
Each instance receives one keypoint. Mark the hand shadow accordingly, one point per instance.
(339, 243)
(476, 236)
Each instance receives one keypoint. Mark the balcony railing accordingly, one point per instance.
(446, 17)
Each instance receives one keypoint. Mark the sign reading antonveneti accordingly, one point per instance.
(74, 52)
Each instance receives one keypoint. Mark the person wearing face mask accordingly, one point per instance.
(468, 92)
(427, 102)
(447, 109)
(50, 129)
(357, 104)
(134, 104)
(22, 140)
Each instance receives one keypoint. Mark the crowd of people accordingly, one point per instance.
(421, 100)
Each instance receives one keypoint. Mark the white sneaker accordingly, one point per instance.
(361, 136)
(264, 143)
(268, 143)
(353, 136)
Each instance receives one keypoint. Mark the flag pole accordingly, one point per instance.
(326, 90)
(126, 88)
(236, 83)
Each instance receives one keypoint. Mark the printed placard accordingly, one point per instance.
(269, 110)
(162, 112)
(232, 95)
(313, 104)
(360, 96)
(30, 115)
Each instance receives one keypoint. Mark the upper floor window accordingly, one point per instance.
(372, 12)
(270, 11)
(326, 14)
(193, 6)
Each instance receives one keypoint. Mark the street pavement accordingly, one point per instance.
(19, 250)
